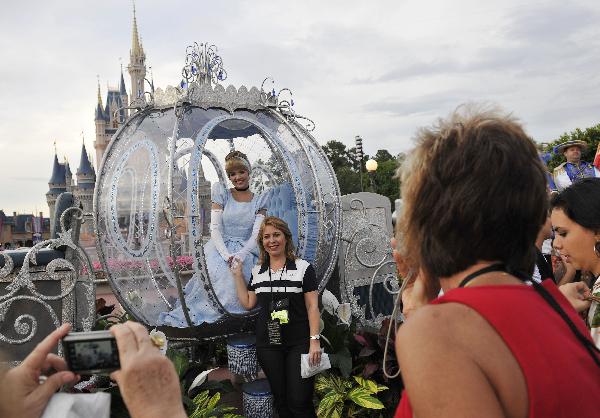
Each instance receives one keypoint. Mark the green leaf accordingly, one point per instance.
(180, 361)
(362, 397)
(381, 388)
(368, 385)
(201, 399)
(214, 400)
(322, 384)
(342, 360)
(329, 403)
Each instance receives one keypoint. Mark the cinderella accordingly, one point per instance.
(236, 216)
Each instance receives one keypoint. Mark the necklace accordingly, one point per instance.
(482, 271)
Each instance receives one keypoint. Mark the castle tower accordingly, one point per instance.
(56, 185)
(84, 191)
(102, 138)
(137, 64)
(111, 116)
(68, 177)
(124, 96)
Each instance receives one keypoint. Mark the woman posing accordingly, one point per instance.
(285, 289)
(576, 222)
(236, 216)
(475, 197)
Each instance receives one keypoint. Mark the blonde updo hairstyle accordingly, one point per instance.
(236, 160)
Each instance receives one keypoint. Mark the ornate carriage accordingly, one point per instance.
(152, 199)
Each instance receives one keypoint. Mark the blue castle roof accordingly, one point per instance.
(122, 87)
(99, 112)
(85, 167)
(58, 172)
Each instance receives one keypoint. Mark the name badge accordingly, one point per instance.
(274, 332)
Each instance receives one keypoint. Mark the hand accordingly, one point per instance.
(415, 294)
(21, 394)
(235, 266)
(314, 353)
(400, 264)
(147, 379)
(576, 294)
(241, 255)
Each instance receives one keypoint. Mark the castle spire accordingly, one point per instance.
(122, 88)
(136, 48)
(99, 111)
(99, 94)
(137, 65)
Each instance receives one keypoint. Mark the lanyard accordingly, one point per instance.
(283, 271)
(488, 269)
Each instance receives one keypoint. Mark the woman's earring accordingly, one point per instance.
(597, 248)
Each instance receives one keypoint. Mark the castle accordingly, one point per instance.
(109, 116)
(108, 119)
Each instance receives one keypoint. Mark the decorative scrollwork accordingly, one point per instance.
(283, 102)
(8, 266)
(26, 324)
(202, 65)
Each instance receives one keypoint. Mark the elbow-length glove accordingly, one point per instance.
(216, 234)
(251, 242)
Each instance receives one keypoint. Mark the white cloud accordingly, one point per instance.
(378, 69)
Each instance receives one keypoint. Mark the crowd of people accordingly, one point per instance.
(487, 333)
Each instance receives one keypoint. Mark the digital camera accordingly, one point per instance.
(93, 352)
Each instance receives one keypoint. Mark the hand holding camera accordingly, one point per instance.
(147, 379)
(27, 388)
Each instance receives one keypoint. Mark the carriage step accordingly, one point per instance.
(257, 399)
(241, 355)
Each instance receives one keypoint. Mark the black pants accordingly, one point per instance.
(293, 395)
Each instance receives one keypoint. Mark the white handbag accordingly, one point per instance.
(307, 371)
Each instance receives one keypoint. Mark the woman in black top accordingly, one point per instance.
(285, 289)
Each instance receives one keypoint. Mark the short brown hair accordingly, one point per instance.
(280, 224)
(474, 189)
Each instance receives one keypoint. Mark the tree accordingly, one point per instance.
(347, 170)
(337, 154)
(385, 179)
(591, 136)
(383, 155)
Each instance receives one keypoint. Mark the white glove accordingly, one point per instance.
(251, 242)
(216, 235)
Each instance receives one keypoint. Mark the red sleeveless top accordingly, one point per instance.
(562, 379)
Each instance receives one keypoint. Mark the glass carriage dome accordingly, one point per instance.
(152, 202)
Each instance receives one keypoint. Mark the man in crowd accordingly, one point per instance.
(573, 169)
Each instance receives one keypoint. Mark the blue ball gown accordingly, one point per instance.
(237, 223)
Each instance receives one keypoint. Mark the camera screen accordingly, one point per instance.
(93, 355)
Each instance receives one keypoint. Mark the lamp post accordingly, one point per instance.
(359, 157)
(371, 167)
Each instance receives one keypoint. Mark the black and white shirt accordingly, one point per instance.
(291, 282)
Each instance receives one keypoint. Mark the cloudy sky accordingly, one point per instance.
(379, 69)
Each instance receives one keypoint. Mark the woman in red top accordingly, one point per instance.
(474, 197)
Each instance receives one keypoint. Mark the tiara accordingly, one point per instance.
(238, 155)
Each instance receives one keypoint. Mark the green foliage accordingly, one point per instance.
(207, 406)
(179, 360)
(347, 170)
(337, 338)
(385, 180)
(591, 136)
(345, 397)
(108, 321)
(339, 156)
